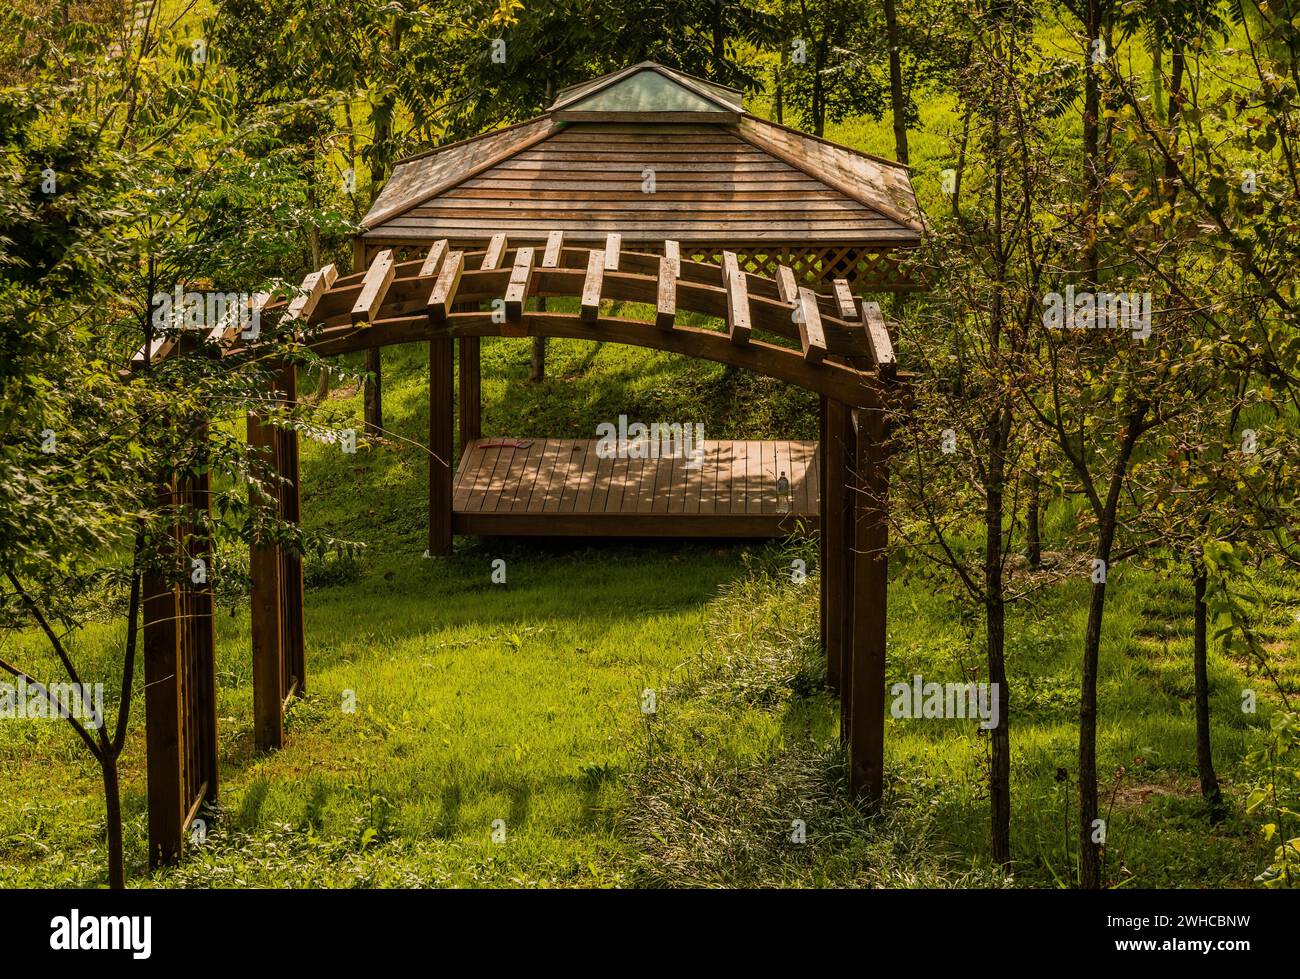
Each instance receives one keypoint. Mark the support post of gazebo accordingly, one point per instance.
(203, 625)
(265, 626)
(832, 672)
(832, 543)
(865, 690)
(291, 578)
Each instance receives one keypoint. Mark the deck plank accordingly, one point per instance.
(600, 488)
(645, 485)
(499, 480)
(618, 483)
(561, 469)
(578, 469)
(666, 486)
(489, 460)
(522, 480)
(544, 470)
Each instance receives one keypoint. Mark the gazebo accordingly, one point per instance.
(639, 201)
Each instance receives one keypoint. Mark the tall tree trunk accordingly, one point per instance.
(818, 108)
(1107, 520)
(719, 42)
(373, 398)
(997, 438)
(995, 640)
(1033, 535)
(897, 99)
(113, 821)
(1177, 66)
(778, 89)
(1089, 852)
(1092, 170)
(1204, 756)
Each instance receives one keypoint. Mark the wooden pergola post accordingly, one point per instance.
(265, 569)
(836, 547)
(279, 658)
(203, 632)
(865, 689)
(823, 433)
(441, 408)
(291, 581)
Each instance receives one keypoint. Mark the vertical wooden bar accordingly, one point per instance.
(162, 705)
(832, 671)
(833, 536)
(266, 623)
(848, 566)
(204, 632)
(295, 662)
(441, 408)
(870, 594)
(470, 391)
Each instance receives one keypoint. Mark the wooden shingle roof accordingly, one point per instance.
(638, 164)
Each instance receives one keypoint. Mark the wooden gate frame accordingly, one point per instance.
(845, 354)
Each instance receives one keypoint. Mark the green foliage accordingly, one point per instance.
(1274, 796)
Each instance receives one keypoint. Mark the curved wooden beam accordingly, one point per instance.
(835, 380)
(409, 295)
(412, 301)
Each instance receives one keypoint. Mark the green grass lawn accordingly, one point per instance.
(475, 702)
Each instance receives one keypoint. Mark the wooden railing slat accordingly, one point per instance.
(313, 287)
(554, 249)
(882, 348)
(733, 280)
(673, 252)
(444, 289)
(613, 245)
(374, 287)
(811, 333)
(517, 290)
(496, 252)
(433, 261)
(848, 308)
(592, 283)
(666, 309)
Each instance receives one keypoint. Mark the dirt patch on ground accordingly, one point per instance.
(1134, 794)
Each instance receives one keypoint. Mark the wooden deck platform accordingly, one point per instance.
(561, 487)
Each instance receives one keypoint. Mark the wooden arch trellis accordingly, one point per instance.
(834, 344)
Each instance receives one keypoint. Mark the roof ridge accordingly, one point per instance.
(696, 86)
(609, 77)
